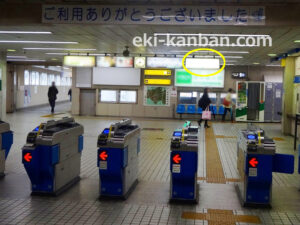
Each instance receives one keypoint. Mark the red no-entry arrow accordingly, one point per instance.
(27, 157)
(176, 158)
(253, 162)
(103, 156)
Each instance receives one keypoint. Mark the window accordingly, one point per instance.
(57, 80)
(26, 77)
(188, 97)
(34, 78)
(63, 81)
(51, 79)
(128, 96)
(43, 79)
(108, 96)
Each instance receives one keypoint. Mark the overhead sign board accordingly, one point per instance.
(164, 62)
(79, 61)
(159, 15)
(200, 63)
(157, 81)
(158, 72)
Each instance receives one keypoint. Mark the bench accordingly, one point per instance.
(192, 110)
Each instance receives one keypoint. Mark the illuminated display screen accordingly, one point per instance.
(109, 61)
(177, 134)
(105, 131)
(251, 137)
(253, 162)
(37, 128)
(176, 159)
(164, 62)
(79, 61)
(184, 79)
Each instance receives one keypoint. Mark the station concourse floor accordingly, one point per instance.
(149, 202)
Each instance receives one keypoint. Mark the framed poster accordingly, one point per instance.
(156, 96)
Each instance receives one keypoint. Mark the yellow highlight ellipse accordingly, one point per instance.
(203, 49)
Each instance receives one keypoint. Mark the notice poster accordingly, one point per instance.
(156, 96)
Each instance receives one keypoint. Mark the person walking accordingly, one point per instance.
(52, 93)
(227, 102)
(70, 94)
(204, 103)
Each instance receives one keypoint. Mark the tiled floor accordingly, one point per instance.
(148, 204)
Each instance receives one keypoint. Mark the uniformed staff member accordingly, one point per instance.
(52, 93)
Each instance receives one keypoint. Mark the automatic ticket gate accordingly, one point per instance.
(184, 164)
(52, 155)
(118, 149)
(256, 160)
(6, 141)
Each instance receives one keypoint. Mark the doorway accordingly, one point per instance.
(88, 102)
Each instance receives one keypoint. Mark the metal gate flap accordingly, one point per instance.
(283, 163)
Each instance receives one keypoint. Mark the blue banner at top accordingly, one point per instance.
(158, 15)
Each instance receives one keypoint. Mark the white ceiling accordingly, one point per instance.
(113, 38)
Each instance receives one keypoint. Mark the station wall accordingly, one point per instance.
(23, 96)
(255, 73)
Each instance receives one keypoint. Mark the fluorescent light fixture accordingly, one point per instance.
(297, 41)
(273, 65)
(213, 35)
(26, 60)
(79, 61)
(16, 56)
(62, 49)
(272, 55)
(210, 45)
(198, 63)
(75, 54)
(256, 63)
(37, 42)
(23, 32)
(11, 50)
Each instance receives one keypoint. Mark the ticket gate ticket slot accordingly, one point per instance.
(118, 149)
(184, 164)
(256, 160)
(6, 141)
(52, 155)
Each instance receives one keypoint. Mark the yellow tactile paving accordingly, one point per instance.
(222, 136)
(226, 179)
(214, 169)
(52, 115)
(278, 139)
(221, 217)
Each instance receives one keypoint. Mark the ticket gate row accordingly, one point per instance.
(52, 155)
(256, 160)
(6, 140)
(118, 149)
(184, 164)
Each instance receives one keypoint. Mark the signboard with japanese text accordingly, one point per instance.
(148, 14)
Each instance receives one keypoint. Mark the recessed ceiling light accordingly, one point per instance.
(256, 63)
(11, 50)
(297, 41)
(38, 42)
(24, 32)
(62, 49)
(54, 59)
(272, 54)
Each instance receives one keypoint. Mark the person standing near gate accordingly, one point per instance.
(204, 103)
(227, 102)
(52, 93)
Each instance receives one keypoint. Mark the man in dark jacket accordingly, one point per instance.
(52, 92)
(204, 103)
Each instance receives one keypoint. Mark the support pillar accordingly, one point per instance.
(3, 85)
(288, 95)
